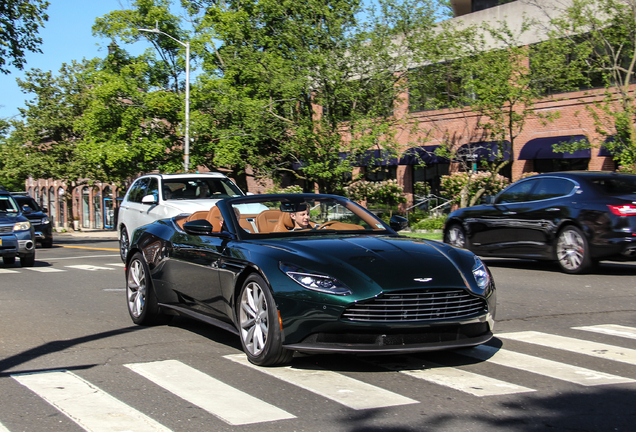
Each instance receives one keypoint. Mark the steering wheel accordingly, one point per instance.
(326, 224)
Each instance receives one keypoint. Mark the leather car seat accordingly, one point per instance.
(266, 221)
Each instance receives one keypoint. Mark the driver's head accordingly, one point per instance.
(301, 217)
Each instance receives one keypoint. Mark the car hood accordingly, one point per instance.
(11, 218)
(389, 263)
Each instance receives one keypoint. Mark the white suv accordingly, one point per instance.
(159, 196)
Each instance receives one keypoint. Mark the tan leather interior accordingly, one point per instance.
(267, 220)
(285, 223)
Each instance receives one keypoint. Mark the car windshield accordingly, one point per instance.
(302, 214)
(199, 188)
(28, 202)
(8, 204)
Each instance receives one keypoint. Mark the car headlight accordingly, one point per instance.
(482, 277)
(315, 282)
(45, 220)
(22, 226)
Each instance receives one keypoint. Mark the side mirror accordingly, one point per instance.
(398, 223)
(26, 209)
(198, 227)
(150, 199)
(45, 210)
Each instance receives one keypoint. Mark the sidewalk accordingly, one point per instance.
(88, 233)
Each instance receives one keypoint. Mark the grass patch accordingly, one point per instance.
(428, 236)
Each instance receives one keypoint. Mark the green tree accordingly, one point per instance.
(601, 36)
(20, 21)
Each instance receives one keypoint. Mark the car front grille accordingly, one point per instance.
(417, 305)
(6, 229)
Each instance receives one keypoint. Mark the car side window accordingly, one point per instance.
(519, 192)
(137, 190)
(552, 188)
(152, 188)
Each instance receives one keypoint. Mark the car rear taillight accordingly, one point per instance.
(623, 210)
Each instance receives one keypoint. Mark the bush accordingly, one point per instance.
(432, 223)
(453, 184)
(289, 189)
(387, 192)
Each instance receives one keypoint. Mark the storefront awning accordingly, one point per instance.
(421, 155)
(483, 150)
(541, 148)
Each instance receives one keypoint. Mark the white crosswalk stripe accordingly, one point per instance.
(611, 329)
(116, 264)
(594, 349)
(88, 267)
(549, 368)
(7, 271)
(457, 379)
(210, 394)
(332, 385)
(45, 269)
(88, 406)
(97, 411)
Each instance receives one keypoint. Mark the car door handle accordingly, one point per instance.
(510, 212)
(553, 209)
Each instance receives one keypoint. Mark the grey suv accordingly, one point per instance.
(160, 196)
(17, 236)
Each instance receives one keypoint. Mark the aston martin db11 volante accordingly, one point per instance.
(308, 273)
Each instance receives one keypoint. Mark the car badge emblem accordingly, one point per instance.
(423, 279)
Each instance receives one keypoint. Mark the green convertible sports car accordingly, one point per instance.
(308, 273)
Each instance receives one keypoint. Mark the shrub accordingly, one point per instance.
(386, 192)
(453, 184)
(432, 223)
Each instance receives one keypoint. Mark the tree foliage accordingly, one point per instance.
(20, 21)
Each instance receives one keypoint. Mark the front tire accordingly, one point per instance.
(47, 243)
(259, 328)
(124, 244)
(8, 260)
(572, 251)
(140, 296)
(456, 236)
(27, 260)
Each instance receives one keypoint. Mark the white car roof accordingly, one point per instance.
(190, 175)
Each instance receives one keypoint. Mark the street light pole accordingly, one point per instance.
(186, 138)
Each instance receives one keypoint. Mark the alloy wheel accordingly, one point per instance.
(254, 318)
(571, 250)
(136, 288)
(456, 237)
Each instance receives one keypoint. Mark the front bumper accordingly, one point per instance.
(14, 245)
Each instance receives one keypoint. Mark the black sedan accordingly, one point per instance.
(308, 273)
(38, 218)
(574, 218)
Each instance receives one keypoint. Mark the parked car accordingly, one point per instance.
(38, 218)
(576, 218)
(17, 236)
(158, 196)
(348, 283)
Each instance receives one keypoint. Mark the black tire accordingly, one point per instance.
(47, 243)
(456, 236)
(8, 260)
(259, 328)
(572, 251)
(140, 295)
(27, 261)
(124, 244)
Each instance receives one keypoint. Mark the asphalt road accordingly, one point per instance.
(564, 358)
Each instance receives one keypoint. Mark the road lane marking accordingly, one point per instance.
(611, 329)
(88, 247)
(88, 267)
(594, 349)
(549, 368)
(332, 385)
(3, 429)
(117, 264)
(45, 269)
(7, 271)
(87, 405)
(81, 257)
(457, 379)
(219, 399)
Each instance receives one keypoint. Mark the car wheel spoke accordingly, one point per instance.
(253, 319)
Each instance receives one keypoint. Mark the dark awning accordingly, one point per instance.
(604, 151)
(421, 155)
(483, 150)
(373, 158)
(541, 148)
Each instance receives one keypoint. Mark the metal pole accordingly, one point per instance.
(186, 138)
(186, 151)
